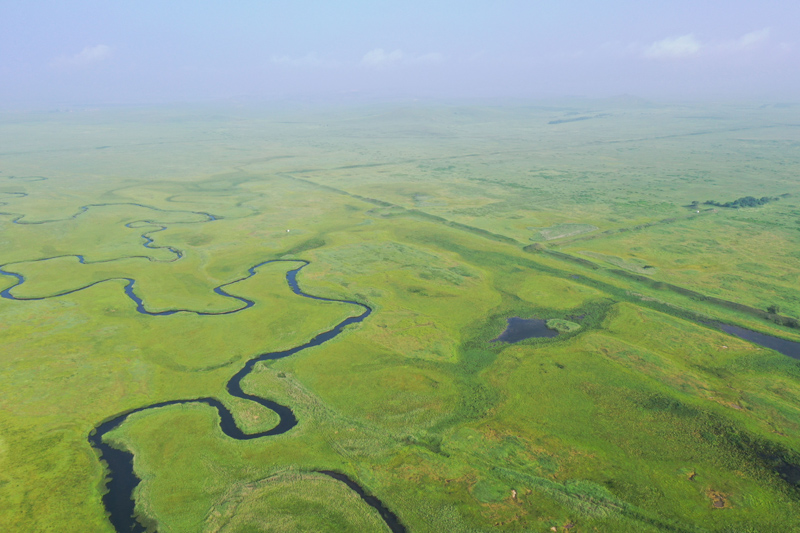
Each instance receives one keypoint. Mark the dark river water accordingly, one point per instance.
(121, 479)
(790, 348)
(119, 499)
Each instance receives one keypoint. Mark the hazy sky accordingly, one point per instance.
(171, 50)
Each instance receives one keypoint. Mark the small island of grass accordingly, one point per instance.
(562, 326)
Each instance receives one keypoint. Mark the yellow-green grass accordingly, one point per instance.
(296, 502)
(67, 371)
(719, 256)
(38, 241)
(639, 421)
(612, 185)
(618, 407)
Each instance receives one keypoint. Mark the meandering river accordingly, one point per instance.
(122, 480)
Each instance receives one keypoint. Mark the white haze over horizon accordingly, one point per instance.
(54, 52)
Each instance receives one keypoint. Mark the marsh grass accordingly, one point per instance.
(630, 423)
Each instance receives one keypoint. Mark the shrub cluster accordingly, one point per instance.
(744, 201)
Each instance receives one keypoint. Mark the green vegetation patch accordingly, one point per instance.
(744, 201)
(489, 491)
(632, 264)
(559, 231)
(294, 501)
(637, 418)
(563, 326)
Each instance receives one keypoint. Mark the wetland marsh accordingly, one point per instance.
(282, 319)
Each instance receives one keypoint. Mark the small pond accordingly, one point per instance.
(519, 329)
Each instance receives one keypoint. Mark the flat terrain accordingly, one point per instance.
(126, 237)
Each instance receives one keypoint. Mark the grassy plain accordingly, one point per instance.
(446, 220)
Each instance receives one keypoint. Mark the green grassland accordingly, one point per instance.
(446, 221)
